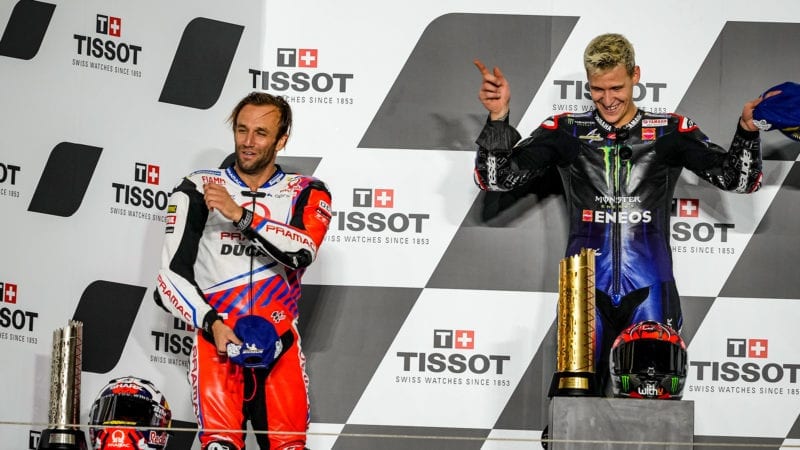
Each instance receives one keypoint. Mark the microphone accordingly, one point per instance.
(625, 151)
(254, 194)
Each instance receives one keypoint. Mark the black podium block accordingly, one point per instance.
(584, 423)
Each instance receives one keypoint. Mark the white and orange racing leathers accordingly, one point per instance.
(214, 268)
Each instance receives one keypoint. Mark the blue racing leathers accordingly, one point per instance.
(619, 184)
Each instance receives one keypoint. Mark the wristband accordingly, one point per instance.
(211, 317)
(244, 222)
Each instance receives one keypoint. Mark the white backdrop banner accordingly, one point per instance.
(431, 307)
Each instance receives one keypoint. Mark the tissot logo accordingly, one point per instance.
(461, 339)
(111, 50)
(146, 173)
(8, 177)
(14, 318)
(449, 358)
(301, 57)
(685, 207)
(173, 342)
(178, 324)
(9, 291)
(8, 173)
(373, 198)
(740, 366)
(689, 208)
(135, 195)
(111, 26)
(33, 439)
(291, 77)
(382, 198)
(748, 348)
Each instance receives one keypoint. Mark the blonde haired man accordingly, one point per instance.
(619, 165)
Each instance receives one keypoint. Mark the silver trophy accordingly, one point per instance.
(65, 391)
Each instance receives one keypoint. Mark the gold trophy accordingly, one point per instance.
(575, 365)
(65, 391)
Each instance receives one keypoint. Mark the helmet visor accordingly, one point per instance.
(127, 410)
(645, 355)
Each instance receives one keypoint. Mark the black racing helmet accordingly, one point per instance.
(648, 360)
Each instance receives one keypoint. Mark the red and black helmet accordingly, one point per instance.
(133, 414)
(648, 360)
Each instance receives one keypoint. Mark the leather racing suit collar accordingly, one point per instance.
(611, 131)
(276, 177)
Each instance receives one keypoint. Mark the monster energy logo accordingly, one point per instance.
(625, 380)
(675, 384)
(607, 152)
(607, 160)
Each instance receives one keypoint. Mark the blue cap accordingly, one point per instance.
(781, 111)
(261, 344)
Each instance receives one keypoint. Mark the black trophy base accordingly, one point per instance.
(58, 439)
(573, 384)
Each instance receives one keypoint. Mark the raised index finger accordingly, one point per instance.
(480, 66)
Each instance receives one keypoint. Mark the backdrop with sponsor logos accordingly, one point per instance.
(430, 310)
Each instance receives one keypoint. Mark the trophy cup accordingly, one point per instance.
(575, 365)
(65, 391)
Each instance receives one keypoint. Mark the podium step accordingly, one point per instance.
(620, 424)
